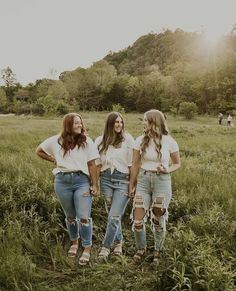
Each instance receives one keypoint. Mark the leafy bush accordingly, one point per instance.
(188, 109)
(61, 108)
(38, 109)
(118, 108)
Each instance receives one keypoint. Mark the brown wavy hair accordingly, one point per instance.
(158, 128)
(110, 137)
(68, 139)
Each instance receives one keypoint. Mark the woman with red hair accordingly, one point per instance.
(74, 154)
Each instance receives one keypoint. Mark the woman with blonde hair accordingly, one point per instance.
(116, 149)
(74, 154)
(150, 181)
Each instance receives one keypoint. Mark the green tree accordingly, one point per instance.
(42, 86)
(58, 91)
(3, 100)
(48, 103)
(22, 95)
(61, 108)
(72, 81)
(9, 78)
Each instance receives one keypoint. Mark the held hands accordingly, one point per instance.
(131, 192)
(93, 190)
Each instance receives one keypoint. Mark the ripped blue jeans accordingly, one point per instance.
(153, 193)
(72, 190)
(115, 189)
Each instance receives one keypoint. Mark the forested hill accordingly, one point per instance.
(161, 50)
(158, 71)
(172, 52)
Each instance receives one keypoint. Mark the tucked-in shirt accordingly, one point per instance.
(117, 158)
(75, 159)
(150, 160)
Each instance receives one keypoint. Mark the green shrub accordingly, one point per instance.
(118, 108)
(188, 109)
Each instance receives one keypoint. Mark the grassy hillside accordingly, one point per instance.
(200, 250)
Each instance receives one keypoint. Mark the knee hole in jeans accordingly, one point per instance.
(84, 221)
(138, 207)
(158, 211)
(71, 220)
(158, 222)
(138, 225)
(158, 206)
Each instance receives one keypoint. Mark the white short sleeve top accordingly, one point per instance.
(117, 158)
(75, 159)
(150, 160)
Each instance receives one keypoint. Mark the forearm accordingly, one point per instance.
(45, 156)
(98, 171)
(175, 159)
(134, 170)
(173, 168)
(93, 174)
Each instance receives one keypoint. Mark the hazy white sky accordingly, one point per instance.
(40, 35)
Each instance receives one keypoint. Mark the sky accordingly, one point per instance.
(42, 38)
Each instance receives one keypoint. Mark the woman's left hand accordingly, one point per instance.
(161, 169)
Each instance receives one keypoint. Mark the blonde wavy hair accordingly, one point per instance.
(157, 128)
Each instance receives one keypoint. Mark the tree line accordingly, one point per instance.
(160, 71)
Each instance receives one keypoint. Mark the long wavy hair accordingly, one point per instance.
(110, 137)
(68, 139)
(157, 128)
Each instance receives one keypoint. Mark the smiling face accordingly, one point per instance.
(77, 125)
(118, 125)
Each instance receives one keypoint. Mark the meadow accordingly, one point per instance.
(200, 249)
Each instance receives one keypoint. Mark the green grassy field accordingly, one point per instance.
(200, 249)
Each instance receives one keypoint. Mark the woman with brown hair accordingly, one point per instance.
(74, 154)
(116, 149)
(151, 172)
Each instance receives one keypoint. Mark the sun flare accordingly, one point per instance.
(213, 34)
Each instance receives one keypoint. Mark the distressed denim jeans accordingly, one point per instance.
(115, 189)
(72, 190)
(152, 186)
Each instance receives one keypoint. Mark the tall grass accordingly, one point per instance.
(200, 249)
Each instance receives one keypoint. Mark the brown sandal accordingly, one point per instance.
(138, 255)
(84, 259)
(118, 249)
(73, 251)
(104, 253)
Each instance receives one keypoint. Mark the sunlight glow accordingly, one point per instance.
(213, 33)
(213, 36)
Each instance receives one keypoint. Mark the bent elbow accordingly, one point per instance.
(37, 151)
(178, 166)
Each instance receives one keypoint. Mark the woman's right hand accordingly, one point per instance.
(131, 193)
(93, 190)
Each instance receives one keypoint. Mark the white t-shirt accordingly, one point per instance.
(117, 158)
(74, 160)
(150, 160)
(229, 118)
